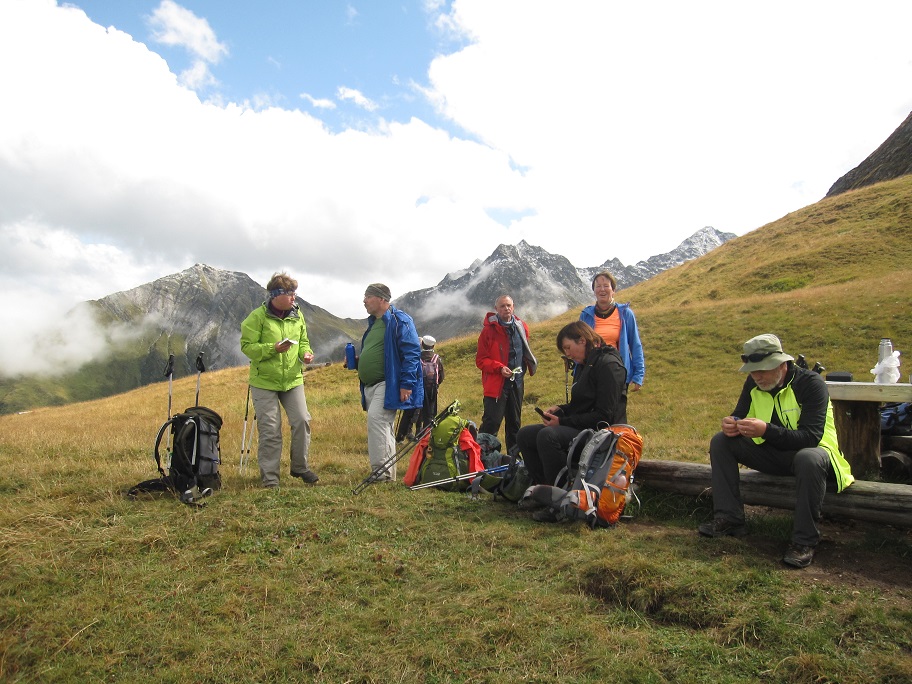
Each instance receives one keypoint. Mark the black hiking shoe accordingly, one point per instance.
(798, 556)
(545, 515)
(309, 476)
(722, 528)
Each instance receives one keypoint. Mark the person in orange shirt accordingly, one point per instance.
(617, 326)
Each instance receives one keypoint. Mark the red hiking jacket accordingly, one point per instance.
(494, 353)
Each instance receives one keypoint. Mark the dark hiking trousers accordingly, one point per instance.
(544, 450)
(810, 467)
(507, 410)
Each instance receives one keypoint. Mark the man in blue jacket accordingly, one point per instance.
(389, 369)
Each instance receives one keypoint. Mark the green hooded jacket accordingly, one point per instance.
(269, 369)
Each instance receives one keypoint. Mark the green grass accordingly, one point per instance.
(314, 584)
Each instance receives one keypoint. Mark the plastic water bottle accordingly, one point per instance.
(885, 349)
(350, 356)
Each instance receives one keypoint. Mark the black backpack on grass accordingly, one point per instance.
(193, 467)
(509, 483)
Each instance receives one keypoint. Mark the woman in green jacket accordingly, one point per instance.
(274, 338)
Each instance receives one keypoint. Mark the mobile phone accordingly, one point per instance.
(539, 412)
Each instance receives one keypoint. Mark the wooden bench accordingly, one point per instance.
(879, 502)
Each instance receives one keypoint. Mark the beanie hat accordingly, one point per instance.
(378, 290)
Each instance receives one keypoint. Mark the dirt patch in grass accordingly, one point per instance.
(853, 554)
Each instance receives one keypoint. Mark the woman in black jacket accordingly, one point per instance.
(598, 399)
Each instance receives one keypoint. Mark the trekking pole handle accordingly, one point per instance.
(199, 363)
(169, 369)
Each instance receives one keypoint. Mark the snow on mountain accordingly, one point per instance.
(541, 284)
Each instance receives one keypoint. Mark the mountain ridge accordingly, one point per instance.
(542, 285)
(200, 309)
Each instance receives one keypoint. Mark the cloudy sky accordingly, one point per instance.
(361, 141)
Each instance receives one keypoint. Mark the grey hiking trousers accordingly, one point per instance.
(269, 424)
(810, 467)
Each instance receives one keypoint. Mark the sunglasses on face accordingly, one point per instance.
(755, 357)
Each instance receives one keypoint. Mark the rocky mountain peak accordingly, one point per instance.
(541, 284)
(891, 160)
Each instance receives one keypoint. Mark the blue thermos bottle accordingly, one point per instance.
(350, 356)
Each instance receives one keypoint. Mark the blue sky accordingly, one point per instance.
(357, 142)
(298, 54)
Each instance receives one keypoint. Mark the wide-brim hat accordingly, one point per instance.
(428, 342)
(763, 353)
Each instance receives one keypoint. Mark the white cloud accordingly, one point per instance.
(356, 96)
(635, 118)
(608, 130)
(177, 26)
(198, 76)
(319, 103)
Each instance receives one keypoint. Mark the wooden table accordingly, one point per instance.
(856, 409)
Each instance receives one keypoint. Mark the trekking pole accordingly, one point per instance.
(460, 478)
(568, 364)
(200, 367)
(385, 467)
(242, 463)
(169, 373)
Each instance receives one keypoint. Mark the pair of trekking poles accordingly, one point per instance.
(384, 468)
(381, 471)
(169, 373)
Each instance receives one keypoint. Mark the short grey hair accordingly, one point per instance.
(503, 296)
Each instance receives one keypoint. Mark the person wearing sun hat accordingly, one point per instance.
(782, 425)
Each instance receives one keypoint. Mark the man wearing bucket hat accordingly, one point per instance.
(782, 425)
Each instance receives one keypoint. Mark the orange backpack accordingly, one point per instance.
(604, 464)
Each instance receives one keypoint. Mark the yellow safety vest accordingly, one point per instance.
(789, 411)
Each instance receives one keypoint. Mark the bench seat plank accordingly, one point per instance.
(879, 502)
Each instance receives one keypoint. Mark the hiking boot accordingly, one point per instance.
(545, 515)
(720, 527)
(386, 477)
(309, 476)
(527, 503)
(798, 556)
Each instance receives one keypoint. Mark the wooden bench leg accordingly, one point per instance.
(858, 428)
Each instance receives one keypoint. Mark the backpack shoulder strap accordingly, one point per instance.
(578, 445)
(158, 439)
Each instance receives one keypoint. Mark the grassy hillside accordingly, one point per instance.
(851, 238)
(313, 584)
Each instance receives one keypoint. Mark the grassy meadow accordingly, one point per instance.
(313, 584)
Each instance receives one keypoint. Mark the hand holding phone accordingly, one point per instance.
(539, 412)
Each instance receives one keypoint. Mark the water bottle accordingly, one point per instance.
(350, 356)
(885, 350)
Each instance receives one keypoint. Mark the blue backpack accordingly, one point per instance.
(896, 419)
